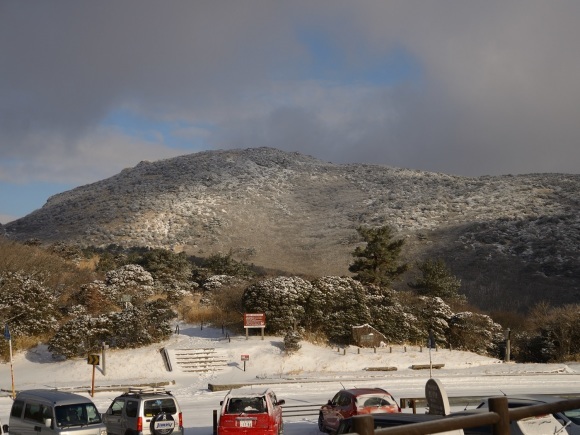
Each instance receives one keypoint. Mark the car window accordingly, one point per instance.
(334, 400)
(78, 414)
(573, 415)
(33, 411)
(156, 406)
(369, 400)
(246, 404)
(344, 400)
(17, 408)
(132, 408)
(117, 407)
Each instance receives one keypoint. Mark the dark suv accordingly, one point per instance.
(144, 411)
(354, 401)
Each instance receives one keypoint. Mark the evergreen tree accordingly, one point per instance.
(436, 280)
(292, 342)
(377, 263)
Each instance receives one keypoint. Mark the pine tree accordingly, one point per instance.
(436, 280)
(377, 263)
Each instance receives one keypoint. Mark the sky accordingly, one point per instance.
(467, 88)
(310, 376)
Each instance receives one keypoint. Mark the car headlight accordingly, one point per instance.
(103, 432)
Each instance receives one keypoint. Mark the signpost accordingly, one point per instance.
(254, 320)
(94, 361)
(244, 359)
(430, 344)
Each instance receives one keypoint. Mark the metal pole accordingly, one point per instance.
(430, 364)
(507, 347)
(93, 382)
(104, 362)
(12, 369)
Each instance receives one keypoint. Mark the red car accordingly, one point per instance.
(247, 411)
(354, 401)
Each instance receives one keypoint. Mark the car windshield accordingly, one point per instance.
(77, 415)
(238, 405)
(370, 400)
(573, 415)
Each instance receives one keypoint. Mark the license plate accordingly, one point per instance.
(246, 423)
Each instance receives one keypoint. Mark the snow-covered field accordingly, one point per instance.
(312, 375)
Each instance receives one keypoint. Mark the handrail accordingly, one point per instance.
(499, 417)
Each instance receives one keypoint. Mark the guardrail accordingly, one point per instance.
(300, 410)
(498, 417)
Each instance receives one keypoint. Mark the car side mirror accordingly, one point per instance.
(280, 402)
(221, 402)
(5, 428)
(109, 411)
(48, 422)
(329, 402)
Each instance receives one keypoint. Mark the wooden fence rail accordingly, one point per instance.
(499, 417)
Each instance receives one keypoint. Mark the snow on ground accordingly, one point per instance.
(311, 375)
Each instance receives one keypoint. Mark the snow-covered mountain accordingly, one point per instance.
(511, 239)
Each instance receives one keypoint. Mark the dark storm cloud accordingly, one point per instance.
(495, 88)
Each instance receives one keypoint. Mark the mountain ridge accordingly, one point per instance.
(294, 213)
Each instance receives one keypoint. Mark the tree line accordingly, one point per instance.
(74, 299)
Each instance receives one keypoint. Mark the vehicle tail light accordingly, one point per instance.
(180, 419)
(139, 424)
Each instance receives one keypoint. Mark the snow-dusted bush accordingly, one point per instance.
(79, 336)
(282, 299)
(335, 305)
(292, 342)
(432, 313)
(27, 305)
(130, 328)
(389, 316)
(129, 278)
(475, 333)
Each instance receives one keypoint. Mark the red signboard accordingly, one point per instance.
(245, 357)
(256, 320)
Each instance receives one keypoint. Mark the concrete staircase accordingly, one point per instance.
(204, 359)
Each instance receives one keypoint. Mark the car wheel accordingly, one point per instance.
(321, 427)
(162, 424)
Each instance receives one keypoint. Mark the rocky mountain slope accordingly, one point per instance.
(511, 239)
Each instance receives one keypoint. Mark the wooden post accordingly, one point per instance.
(215, 421)
(363, 424)
(499, 405)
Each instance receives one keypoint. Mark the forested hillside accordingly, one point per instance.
(511, 240)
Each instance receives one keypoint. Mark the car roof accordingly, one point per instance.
(362, 391)
(53, 396)
(147, 392)
(248, 392)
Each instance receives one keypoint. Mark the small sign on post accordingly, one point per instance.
(245, 358)
(93, 359)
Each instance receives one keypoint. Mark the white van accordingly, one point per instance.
(53, 412)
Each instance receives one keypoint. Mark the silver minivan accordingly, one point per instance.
(54, 412)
